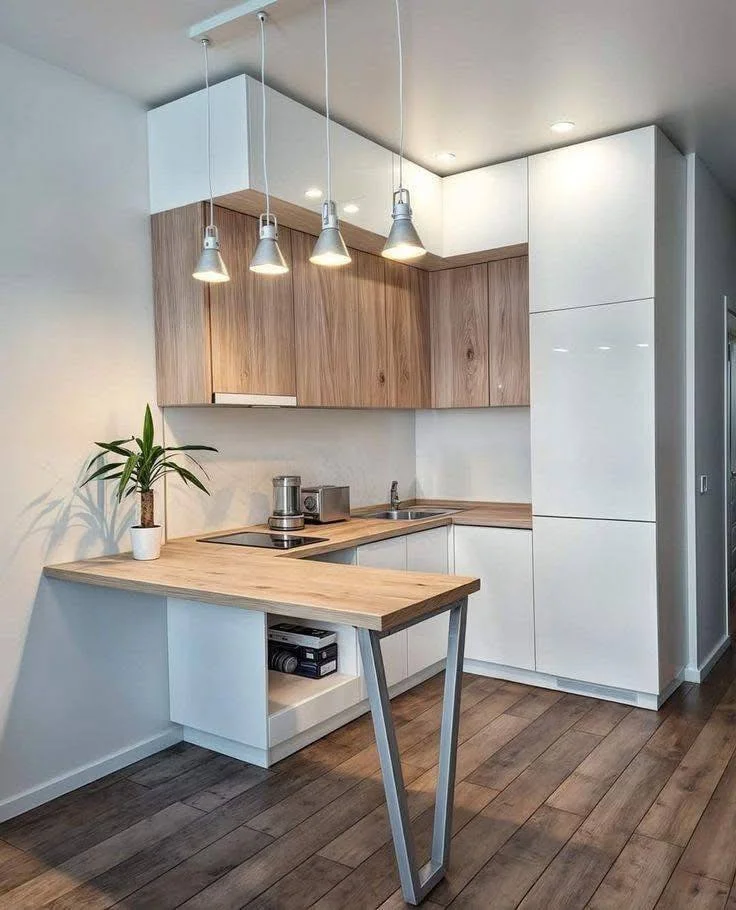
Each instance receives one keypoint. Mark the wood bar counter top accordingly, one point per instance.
(258, 579)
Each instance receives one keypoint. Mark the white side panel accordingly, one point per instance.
(592, 394)
(501, 614)
(591, 222)
(427, 642)
(486, 208)
(217, 670)
(595, 595)
(426, 202)
(389, 554)
(177, 146)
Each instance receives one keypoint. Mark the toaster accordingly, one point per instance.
(326, 503)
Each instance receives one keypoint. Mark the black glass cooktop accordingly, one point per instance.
(269, 541)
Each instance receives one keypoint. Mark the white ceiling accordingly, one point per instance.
(484, 78)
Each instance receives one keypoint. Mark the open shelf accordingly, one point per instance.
(286, 690)
(296, 704)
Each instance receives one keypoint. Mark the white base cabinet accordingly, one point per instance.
(412, 650)
(501, 615)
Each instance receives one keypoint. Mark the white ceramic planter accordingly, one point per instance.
(146, 542)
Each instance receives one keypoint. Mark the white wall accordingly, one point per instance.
(365, 449)
(482, 454)
(712, 274)
(83, 672)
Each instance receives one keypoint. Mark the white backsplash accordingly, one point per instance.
(364, 449)
(480, 453)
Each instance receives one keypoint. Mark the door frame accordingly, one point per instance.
(729, 332)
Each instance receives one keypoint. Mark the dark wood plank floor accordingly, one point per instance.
(561, 802)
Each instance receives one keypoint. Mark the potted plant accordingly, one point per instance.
(142, 464)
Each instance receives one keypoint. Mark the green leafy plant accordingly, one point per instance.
(143, 463)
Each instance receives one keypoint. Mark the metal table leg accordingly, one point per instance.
(416, 883)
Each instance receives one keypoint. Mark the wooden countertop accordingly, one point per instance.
(259, 579)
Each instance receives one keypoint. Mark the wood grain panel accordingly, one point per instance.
(458, 300)
(508, 295)
(327, 337)
(373, 386)
(181, 308)
(407, 319)
(251, 316)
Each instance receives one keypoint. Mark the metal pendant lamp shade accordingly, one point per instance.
(403, 241)
(330, 248)
(268, 259)
(210, 266)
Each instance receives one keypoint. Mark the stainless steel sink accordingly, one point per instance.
(409, 514)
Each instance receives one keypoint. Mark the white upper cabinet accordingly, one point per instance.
(592, 222)
(486, 208)
(361, 173)
(593, 426)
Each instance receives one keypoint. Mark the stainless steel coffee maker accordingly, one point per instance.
(287, 503)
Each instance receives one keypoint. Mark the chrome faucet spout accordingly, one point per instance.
(394, 494)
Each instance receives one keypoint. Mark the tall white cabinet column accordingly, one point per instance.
(606, 268)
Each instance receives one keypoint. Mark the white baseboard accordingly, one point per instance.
(698, 674)
(647, 700)
(30, 799)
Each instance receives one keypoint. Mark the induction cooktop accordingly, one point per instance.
(269, 541)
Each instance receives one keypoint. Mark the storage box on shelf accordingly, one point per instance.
(607, 253)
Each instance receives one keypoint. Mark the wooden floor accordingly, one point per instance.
(561, 802)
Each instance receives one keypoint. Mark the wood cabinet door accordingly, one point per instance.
(327, 340)
(508, 324)
(373, 390)
(251, 316)
(407, 325)
(458, 300)
(182, 319)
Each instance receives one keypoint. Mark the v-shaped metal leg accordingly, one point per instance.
(416, 883)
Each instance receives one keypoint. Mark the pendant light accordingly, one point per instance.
(267, 259)
(210, 267)
(330, 248)
(403, 240)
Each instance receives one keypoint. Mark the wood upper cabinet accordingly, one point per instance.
(327, 330)
(251, 316)
(459, 318)
(236, 337)
(373, 386)
(407, 325)
(508, 322)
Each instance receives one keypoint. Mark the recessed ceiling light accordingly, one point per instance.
(562, 126)
(445, 157)
(350, 208)
(314, 192)
(604, 347)
(642, 344)
(560, 350)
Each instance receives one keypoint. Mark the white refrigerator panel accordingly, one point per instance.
(592, 412)
(595, 590)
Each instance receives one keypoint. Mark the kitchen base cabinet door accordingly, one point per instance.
(501, 615)
(595, 586)
(427, 641)
(389, 554)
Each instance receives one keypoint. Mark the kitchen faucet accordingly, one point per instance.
(394, 494)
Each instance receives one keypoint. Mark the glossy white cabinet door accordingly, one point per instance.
(485, 209)
(591, 222)
(389, 554)
(592, 412)
(595, 593)
(500, 615)
(427, 551)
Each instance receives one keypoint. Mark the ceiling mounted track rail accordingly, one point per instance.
(207, 27)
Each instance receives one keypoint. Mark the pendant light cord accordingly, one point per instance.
(401, 97)
(327, 107)
(262, 19)
(205, 45)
